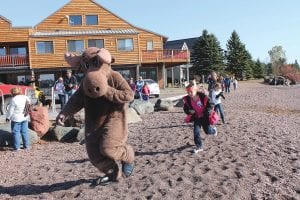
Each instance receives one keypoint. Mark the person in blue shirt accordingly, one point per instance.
(70, 83)
(227, 84)
(139, 87)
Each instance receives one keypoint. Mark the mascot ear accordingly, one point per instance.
(73, 60)
(105, 56)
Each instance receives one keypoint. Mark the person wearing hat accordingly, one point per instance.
(70, 84)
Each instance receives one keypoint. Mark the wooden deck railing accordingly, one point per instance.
(14, 60)
(165, 56)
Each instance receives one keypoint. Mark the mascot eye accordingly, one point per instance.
(86, 65)
(94, 61)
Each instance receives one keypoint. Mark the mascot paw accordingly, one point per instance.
(127, 169)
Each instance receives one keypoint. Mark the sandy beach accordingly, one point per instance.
(255, 156)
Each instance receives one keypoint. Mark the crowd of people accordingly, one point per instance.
(199, 104)
(140, 89)
(65, 87)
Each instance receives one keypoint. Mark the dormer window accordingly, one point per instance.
(75, 20)
(91, 19)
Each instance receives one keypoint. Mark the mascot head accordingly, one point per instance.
(95, 64)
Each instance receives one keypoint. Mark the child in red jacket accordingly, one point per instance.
(199, 106)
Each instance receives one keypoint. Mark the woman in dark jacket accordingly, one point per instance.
(198, 105)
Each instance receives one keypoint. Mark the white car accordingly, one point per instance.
(153, 86)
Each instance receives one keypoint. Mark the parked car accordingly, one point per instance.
(277, 80)
(153, 86)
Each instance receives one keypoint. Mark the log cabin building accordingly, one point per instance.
(39, 51)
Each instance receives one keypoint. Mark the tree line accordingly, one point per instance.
(207, 55)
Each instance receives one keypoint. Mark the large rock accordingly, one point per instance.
(142, 107)
(39, 120)
(132, 116)
(62, 134)
(164, 105)
(77, 120)
(81, 135)
(6, 135)
(179, 103)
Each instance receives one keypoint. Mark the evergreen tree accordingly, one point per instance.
(238, 58)
(268, 69)
(296, 65)
(207, 55)
(257, 70)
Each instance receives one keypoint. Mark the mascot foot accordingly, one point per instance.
(109, 178)
(127, 169)
(102, 181)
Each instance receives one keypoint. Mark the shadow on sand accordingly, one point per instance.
(29, 189)
(178, 150)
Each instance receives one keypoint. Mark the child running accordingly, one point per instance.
(216, 94)
(198, 104)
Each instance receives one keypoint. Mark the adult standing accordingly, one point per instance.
(19, 119)
(235, 83)
(212, 80)
(132, 85)
(139, 86)
(70, 84)
(59, 87)
(227, 84)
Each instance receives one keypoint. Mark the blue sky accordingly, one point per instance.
(261, 24)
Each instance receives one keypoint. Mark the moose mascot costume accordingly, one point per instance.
(104, 95)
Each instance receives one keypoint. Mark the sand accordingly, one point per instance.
(255, 156)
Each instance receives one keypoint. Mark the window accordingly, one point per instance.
(96, 43)
(91, 19)
(125, 44)
(17, 50)
(44, 47)
(2, 51)
(150, 72)
(75, 20)
(149, 45)
(75, 45)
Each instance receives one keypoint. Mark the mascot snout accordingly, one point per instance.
(95, 84)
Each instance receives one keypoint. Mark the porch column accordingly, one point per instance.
(137, 72)
(164, 75)
(172, 70)
(33, 75)
(187, 73)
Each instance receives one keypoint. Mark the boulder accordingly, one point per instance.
(77, 120)
(62, 134)
(179, 103)
(39, 120)
(132, 116)
(6, 136)
(164, 105)
(142, 107)
(81, 135)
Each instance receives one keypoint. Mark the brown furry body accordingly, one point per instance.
(106, 128)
